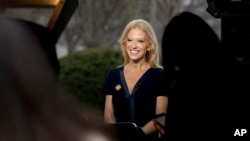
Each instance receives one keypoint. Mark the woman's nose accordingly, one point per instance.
(134, 45)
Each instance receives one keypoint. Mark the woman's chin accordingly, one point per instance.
(135, 60)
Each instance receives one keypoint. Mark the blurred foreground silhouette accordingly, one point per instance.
(195, 65)
(33, 107)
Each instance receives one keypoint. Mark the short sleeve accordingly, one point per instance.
(106, 89)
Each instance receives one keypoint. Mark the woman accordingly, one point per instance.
(137, 91)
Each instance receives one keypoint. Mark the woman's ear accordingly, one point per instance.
(149, 47)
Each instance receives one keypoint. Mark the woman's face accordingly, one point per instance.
(137, 45)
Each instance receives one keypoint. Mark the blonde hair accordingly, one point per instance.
(153, 57)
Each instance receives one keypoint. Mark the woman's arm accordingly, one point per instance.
(161, 107)
(109, 116)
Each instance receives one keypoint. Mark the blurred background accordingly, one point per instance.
(88, 47)
(99, 23)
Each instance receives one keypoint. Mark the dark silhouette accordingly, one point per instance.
(33, 106)
(235, 21)
(45, 38)
(194, 64)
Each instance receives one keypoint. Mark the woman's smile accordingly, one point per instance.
(134, 52)
(136, 44)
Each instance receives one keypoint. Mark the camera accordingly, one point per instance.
(235, 30)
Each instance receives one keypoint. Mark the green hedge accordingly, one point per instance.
(83, 73)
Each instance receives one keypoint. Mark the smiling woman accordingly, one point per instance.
(137, 91)
(137, 46)
(147, 34)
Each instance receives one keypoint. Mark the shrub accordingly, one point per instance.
(83, 73)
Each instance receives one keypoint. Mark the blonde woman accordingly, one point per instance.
(137, 91)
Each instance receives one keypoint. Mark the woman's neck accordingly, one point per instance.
(137, 66)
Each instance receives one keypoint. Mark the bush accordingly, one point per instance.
(83, 73)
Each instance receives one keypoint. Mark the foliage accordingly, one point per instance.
(82, 73)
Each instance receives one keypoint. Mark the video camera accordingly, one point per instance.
(235, 29)
(228, 8)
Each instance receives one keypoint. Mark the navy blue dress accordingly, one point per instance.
(139, 106)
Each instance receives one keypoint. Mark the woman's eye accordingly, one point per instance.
(129, 40)
(141, 41)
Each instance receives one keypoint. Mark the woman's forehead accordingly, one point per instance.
(136, 32)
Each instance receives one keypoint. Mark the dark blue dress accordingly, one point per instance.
(139, 106)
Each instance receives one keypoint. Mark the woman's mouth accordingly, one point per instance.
(134, 52)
